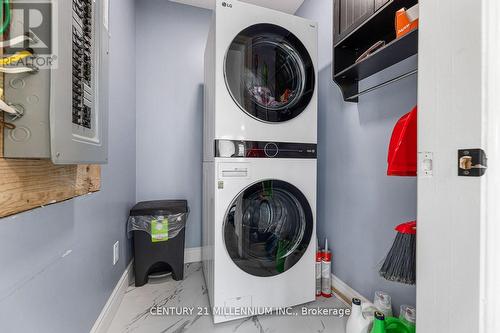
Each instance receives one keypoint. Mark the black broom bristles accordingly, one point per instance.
(400, 263)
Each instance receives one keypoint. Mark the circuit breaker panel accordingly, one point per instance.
(62, 106)
(83, 93)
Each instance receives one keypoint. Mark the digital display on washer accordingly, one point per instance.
(268, 228)
(269, 73)
(262, 149)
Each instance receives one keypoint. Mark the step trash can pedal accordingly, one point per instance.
(158, 229)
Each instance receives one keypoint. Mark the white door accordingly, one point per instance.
(458, 244)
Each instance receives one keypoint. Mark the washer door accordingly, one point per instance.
(268, 228)
(269, 73)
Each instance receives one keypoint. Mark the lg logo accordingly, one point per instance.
(228, 5)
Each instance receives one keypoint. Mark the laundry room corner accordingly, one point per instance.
(358, 204)
(352, 141)
(57, 260)
(216, 166)
(171, 39)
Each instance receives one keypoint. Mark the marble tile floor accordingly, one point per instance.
(134, 312)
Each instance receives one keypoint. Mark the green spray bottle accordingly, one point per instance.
(379, 323)
(388, 325)
(408, 317)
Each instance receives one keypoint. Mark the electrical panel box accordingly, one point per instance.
(62, 103)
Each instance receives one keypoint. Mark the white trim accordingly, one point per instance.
(192, 254)
(111, 307)
(347, 291)
(490, 235)
(109, 311)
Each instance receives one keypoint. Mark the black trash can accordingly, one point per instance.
(161, 256)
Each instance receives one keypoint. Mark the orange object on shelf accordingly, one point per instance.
(406, 20)
(402, 157)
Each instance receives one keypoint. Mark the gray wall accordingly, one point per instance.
(56, 262)
(358, 204)
(170, 46)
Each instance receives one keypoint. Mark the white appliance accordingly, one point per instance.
(259, 227)
(260, 76)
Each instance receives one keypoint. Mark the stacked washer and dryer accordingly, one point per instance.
(259, 169)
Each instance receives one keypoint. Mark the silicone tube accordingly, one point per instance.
(326, 272)
(319, 257)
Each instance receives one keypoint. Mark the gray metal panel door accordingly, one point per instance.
(84, 142)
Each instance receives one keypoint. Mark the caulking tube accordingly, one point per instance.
(326, 272)
(319, 258)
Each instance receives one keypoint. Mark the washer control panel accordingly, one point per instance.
(263, 149)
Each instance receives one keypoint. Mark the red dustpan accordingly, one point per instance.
(402, 157)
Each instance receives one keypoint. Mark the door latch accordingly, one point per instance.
(472, 162)
(426, 164)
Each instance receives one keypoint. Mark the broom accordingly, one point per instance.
(400, 263)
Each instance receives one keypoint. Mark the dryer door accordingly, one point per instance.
(269, 73)
(268, 228)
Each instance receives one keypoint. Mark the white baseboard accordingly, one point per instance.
(192, 254)
(107, 314)
(346, 292)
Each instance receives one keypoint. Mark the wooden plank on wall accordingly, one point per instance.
(28, 184)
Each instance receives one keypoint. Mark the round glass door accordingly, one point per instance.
(268, 228)
(269, 73)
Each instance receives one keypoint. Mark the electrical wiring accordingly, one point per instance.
(7, 17)
(16, 40)
(7, 125)
(7, 108)
(13, 59)
(17, 70)
(5, 13)
(18, 56)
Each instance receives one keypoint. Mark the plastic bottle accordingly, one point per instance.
(381, 324)
(408, 316)
(357, 322)
(378, 323)
(383, 303)
(319, 258)
(326, 272)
